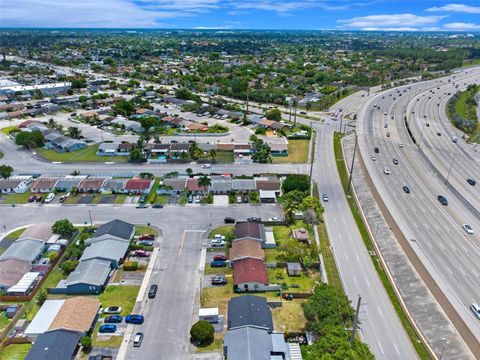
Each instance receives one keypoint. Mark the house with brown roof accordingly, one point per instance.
(268, 184)
(196, 127)
(11, 271)
(138, 186)
(246, 248)
(249, 230)
(91, 184)
(173, 186)
(194, 187)
(225, 147)
(251, 275)
(42, 231)
(88, 114)
(44, 184)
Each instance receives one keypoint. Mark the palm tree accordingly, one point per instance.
(213, 154)
(189, 172)
(308, 105)
(74, 132)
(204, 181)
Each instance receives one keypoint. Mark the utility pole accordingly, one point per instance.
(341, 120)
(450, 169)
(443, 349)
(247, 98)
(355, 321)
(353, 161)
(421, 136)
(90, 216)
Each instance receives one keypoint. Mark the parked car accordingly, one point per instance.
(137, 340)
(218, 263)
(406, 189)
(49, 198)
(113, 319)
(218, 243)
(325, 197)
(219, 258)
(254, 219)
(401, 145)
(468, 229)
(471, 182)
(142, 199)
(374, 158)
(107, 328)
(157, 206)
(229, 220)
(145, 242)
(112, 310)
(147, 237)
(443, 200)
(275, 218)
(475, 309)
(219, 237)
(239, 199)
(34, 197)
(152, 291)
(376, 150)
(219, 279)
(134, 319)
(141, 253)
(142, 206)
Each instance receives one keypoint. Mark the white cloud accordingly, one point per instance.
(461, 8)
(399, 22)
(461, 26)
(284, 6)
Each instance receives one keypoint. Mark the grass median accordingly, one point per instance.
(342, 170)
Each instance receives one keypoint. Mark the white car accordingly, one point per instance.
(468, 229)
(401, 145)
(218, 243)
(475, 309)
(112, 310)
(206, 166)
(275, 218)
(49, 198)
(374, 158)
(219, 237)
(386, 171)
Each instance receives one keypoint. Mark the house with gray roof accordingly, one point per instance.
(15, 184)
(114, 185)
(55, 345)
(117, 229)
(24, 249)
(249, 310)
(66, 183)
(220, 184)
(112, 250)
(173, 186)
(90, 277)
(61, 143)
(243, 185)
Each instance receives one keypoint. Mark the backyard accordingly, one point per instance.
(297, 152)
(87, 154)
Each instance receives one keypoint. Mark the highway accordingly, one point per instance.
(434, 231)
(380, 326)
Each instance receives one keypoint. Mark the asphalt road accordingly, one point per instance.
(170, 315)
(450, 255)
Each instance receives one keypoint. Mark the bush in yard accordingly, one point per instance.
(296, 182)
(86, 343)
(69, 265)
(130, 265)
(42, 296)
(52, 256)
(202, 332)
(63, 227)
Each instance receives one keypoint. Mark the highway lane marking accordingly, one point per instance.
(181, 244)
(380, 311)
(366, 280)
(396, 348)
(354, 280)
(380, 346)
(461, 270)
(448, 269)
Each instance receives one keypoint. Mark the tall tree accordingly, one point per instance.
(6, 171)
(204, 181)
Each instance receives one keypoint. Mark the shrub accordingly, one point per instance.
(42, 297)
(63, 227)
(86, 343)
(130, 266)
(202, 332)
(69, 265)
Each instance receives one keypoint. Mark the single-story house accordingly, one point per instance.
(221, 184)
(194, 187)
(268, 183)
(176, 149)
(246, 248)
(243, 185)
(130, 125)
(29, 250)
(242, 149)
(11, 271)
(301, 235)
(107, 149)
(274, 125)
(139, 186)
(114, 186)
(66, 183)
(277, 149)
(112, 250)
(249, 230)
(253, 343)
(89, 278)
(40, 231)
(55, 345)
(254, 119)
(250, 275)
(117, 229)
(61, 143)
(225, 147)
(173, 186)
(268, 196)
(251, 311)
(88, 114)
(15, 184)
(44, 184)
(91, 184)
(77, 314)
(294, 269)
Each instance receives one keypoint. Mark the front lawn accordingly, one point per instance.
(87, 154)
(16, 351)
(120, 199)
(224, 157)
(16, 198)
(161, 199)
(14, 235)
(218, 296)
(227, 231)
(141, 229)
(8, 129)
(297, 152)
(121, 295)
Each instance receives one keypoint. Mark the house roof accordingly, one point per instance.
(221, 183)
(77, 313)
(91, 272)
(113, 184)
(246, 248)
(44, 317)
(42, 231)
(12, 270)
(269, 184)
(225, 147)
(25, 249)
(278, 147)
(175, 183)
(243, 184)
(192, 185)
(138, 184)
(106, 249)
(247, 343)
(68, 182)
(94, 183)
(249, 310)
(55, 345)
(179, 147)
(250, 229)
(10, 183)
(44, 183)
(249, 270)
(117, 228)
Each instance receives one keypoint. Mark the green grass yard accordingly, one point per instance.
(297, 152)
(87, 154)
(15, 234)
(121, 295)
(141, 229)
(17, 198)
(304, 282)
(15, 352)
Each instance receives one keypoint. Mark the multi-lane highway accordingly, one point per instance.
(434, 231)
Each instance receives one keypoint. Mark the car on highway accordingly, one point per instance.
(152, 291)
(274, 218)
(219, 279)
(386, 171)
(443, 200)
(134, 319)
(229, 220)
(376, 150)
(406, 189)
(137, 340)
(254, 219)
(387, 134)
(471, 182)
(157, 206)
(454, 139)
(107, 328)
(206, 166)
(427, 124)
(113, 319)
(325, 197)
(374, 158)
(401, 145)
(218, 263)
(475, 309)
(468, 229)
(395, 161)
(112, 310)
(385, 126)
(439, 134)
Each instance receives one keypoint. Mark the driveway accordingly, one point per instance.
(220, 200)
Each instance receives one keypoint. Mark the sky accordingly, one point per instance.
(391, 15)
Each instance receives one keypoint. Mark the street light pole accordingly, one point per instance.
(443, 349)
(450, 169)
(355, 321)
(421, 136)
(353, 162)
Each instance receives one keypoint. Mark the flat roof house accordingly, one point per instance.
(243, 185)
(249, 230)
(55, 345)
(172, 186)
(221, 184)
(44, 184)
(194, 187)
(41, 231)
(28, 250)
(250, 275)
(66, 183)
(11, 271)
